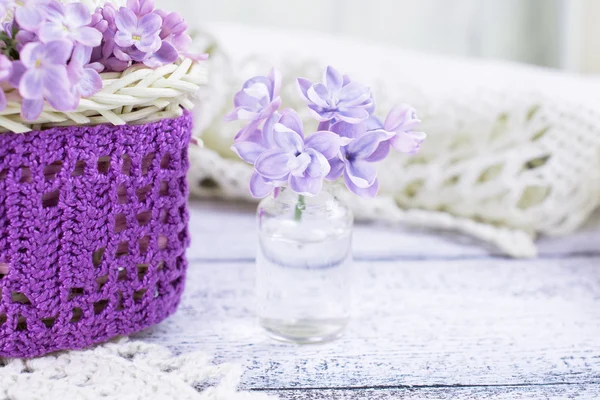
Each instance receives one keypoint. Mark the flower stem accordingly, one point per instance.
(299, 208)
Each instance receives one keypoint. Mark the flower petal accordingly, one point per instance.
(90, 83)
(354, 94)
(259, 187)
(57, 89)
(369, 192)
(273, 164)
(337, 169)
(319, 166)
(50, 31)
(2, 100)
(248, 151)
(275, 78)
(319, 95)
(77, 14)
(58, 51)
(353, 115)
(292, 120)
(401, 118)
(348, 130)
(364, 146)
(126, 20)
(18, 69)
(29, 18)
(287, 140)
(149, 24)
(333, 80)
(87, 36)
(326, 143)
(408, 142)
(381, 153)
(306, 185)
(303, 86)
(30, 86)
(361, 173)
(165, 55)
(31, 109)
(30, 53)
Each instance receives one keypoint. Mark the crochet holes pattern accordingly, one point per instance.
(90, 233)
(79, 169)
(120, 223)
(97, 257)
(52, 170)
(50, 199)
(104, 165)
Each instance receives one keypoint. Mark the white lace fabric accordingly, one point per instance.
(512, 152)
(124, 370)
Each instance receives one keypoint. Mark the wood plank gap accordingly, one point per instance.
(433, 386)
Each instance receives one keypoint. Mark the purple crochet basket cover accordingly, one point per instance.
(93, 232)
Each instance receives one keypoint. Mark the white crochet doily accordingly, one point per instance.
(124, 370)
(512, 151)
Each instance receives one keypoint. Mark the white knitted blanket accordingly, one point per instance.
(512, 151)
(123, 370)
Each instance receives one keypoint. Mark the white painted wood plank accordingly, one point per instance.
(227, 231)
(550, 392)
(469, 322)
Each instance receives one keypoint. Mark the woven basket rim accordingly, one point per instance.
(137, 95)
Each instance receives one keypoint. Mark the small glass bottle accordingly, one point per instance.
(304, 266)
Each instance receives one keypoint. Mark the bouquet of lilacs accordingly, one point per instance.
(349, 142)
(54, 52)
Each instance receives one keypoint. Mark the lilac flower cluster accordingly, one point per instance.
(348, 143)
(54, 52)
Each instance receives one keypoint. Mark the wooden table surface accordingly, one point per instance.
(437, 317)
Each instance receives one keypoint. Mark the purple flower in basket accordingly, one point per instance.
(83, 76)
(143, 33)
(141, 7)
(356, 161)
(44, 76)
(258, 99)
(5, 71)
(29, 14)
(337, 98)
(70, 22)
(302, 163)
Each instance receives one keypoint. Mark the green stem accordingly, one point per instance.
(299, 208)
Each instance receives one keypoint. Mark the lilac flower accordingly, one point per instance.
(402, 121)
(5, 71)
(29, 14)
(258, 99)
(83, 76)
(105, 53)
(337, 98)
(303, 164)
(143, 33)
(140, 7)
(44, 76)
(356, 161)
(70, 22)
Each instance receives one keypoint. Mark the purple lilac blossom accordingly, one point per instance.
(302, 163)
(29, 14)
(258, 99)
(356, 161)
(402, 121)
(337, 98)
(143, 33)
(45, 77)
(83, 76)
(70, 22)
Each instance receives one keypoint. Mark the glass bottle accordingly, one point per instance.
(304, 266)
